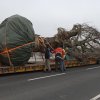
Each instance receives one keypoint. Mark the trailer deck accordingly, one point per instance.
(39, 66)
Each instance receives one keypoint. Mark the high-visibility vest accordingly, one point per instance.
(60, 50)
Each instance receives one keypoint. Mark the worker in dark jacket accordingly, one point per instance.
(47, 57)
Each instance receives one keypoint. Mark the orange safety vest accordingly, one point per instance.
(60, 50)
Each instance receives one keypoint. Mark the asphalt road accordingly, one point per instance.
(75, 84)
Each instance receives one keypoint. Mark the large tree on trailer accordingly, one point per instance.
(82, 38)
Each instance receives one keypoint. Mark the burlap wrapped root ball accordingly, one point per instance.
(16, 40)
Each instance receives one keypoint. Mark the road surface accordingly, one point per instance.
(81, 83)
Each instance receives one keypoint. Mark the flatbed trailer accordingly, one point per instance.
(39, 66)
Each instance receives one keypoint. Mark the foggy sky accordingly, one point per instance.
(48, 15)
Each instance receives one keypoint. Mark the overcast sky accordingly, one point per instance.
(48, 15)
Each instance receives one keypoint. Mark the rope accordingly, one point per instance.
(12, 49)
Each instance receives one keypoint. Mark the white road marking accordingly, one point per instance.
(45, 77)
(92, 68)
(96, 97)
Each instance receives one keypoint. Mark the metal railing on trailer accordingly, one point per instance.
(36, 63)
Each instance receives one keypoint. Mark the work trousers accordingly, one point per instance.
(60, 64)
(47, 65)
